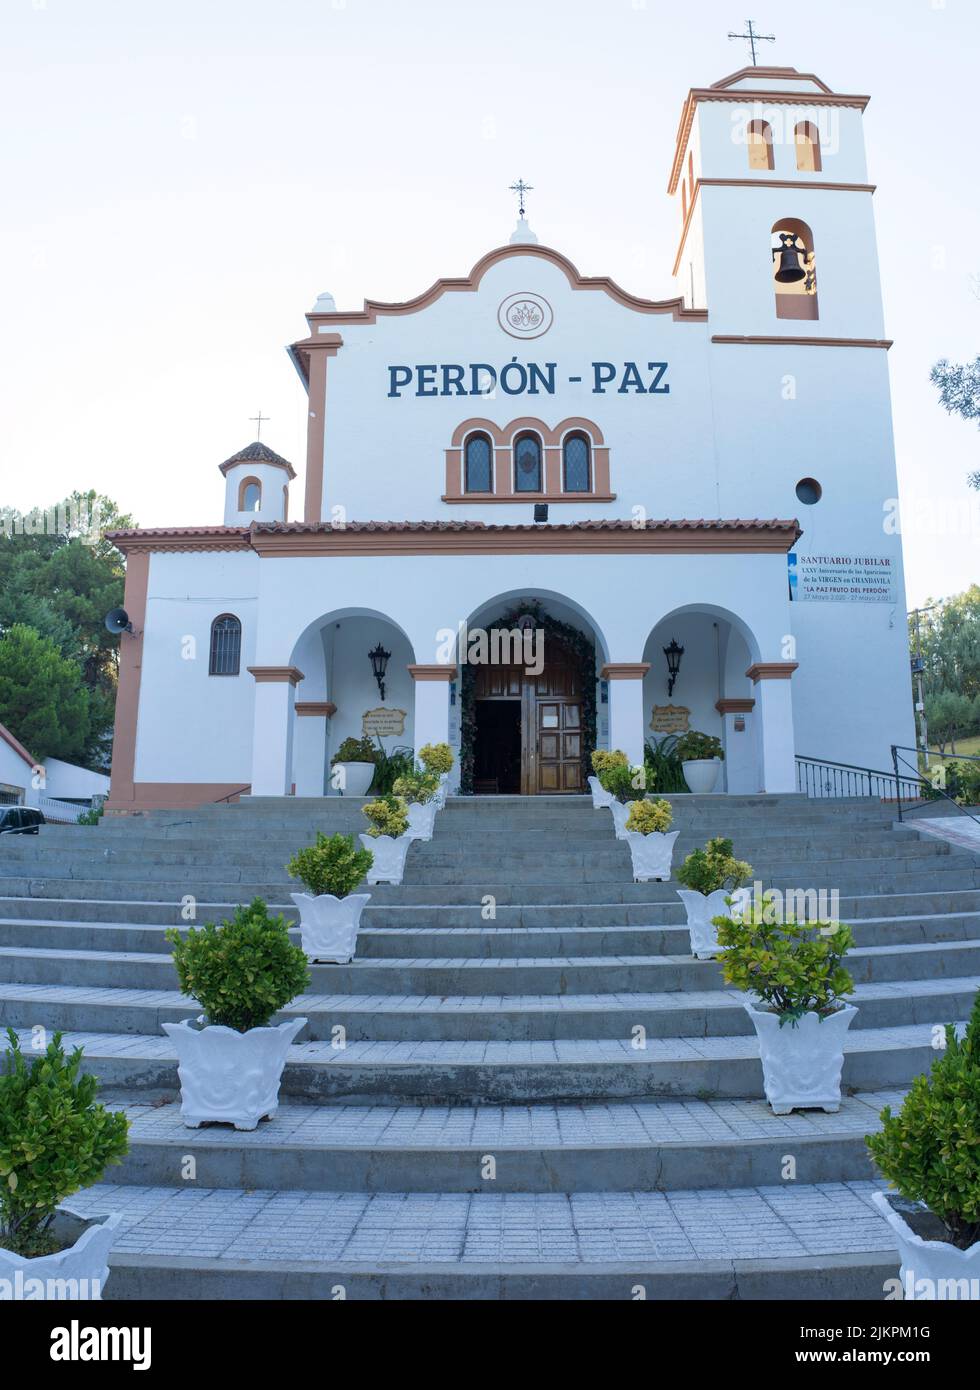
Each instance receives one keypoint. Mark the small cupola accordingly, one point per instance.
(256, 486)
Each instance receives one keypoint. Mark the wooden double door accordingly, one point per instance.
(529, 728)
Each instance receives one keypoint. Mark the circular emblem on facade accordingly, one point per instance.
(525, 315)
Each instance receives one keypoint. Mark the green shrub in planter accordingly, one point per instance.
(930, 1150)
(437, 758)
(623, 782)
(355, 750)
(335, 864)
(695, 747)
(649, 817)
(417, 786)
(388, 816)
(710, 869)
(389, 767)
(242, 972)
(603, 759)
(54, 1140)
(663, 766)
(794, 969)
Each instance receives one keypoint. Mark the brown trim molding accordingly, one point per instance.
(592, 537)
(174, 796)
(780, 341)
(121, 785)
(432, 673)
(735, 706)
(624, 670)
(324, 708)
(772, 671)
(17, 746)
(470, 283)
(275, 674)
(314, 361)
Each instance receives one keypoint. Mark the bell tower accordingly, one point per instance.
(775, 208)
(256, 486)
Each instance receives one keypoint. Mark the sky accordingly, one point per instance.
(182, 179)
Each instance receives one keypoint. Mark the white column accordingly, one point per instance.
(311, 721)
(742, 759)
(272, 730)
(774, 719)
(431, 719)
(626, 722)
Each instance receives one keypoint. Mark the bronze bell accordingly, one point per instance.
(791, 270)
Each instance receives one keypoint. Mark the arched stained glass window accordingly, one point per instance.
(226, 646)
(527, 463)
(479, 464)
(576, 464)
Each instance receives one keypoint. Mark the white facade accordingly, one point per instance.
(701, 417)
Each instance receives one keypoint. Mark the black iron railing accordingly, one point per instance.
(817, 777)
(929, 790)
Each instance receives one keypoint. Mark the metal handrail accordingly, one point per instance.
(847, 778)
(229, 795)
(924, 782)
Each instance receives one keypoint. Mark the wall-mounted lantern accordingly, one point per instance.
(379, 664)
(673, 653)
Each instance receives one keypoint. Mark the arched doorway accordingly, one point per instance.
(528, 703)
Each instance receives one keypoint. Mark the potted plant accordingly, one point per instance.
(602, 760)
(330, 910)
(54, 1140)
(709, 876)
(701, 757)
(930, 1153)
(419, 790)
(796, 973)
(230, 1061)
(622, 783)
(353, 766)
(651, 846)
(437, 758)
(388, 839)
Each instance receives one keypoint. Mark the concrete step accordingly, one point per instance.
(666, 910)
(783, 1241)
(555, 975)
(27, 857)
(949, 873)
(487, 941)
(468, 1017)
(662, 1146)
(467, 1073)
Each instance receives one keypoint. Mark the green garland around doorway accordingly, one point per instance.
(582, 649)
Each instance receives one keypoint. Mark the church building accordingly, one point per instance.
(540, 513)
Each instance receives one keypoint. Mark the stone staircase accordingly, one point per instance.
(491, 1128)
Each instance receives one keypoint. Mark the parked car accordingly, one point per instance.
(20, 820)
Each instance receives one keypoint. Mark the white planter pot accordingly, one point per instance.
(389, 857)
(357, 778)
(802, 1066)
(439, 799)
(933, 1271)
(328, 926)
(701, 908)
(620, 815)
(78, 1272)
(651, 855)
(600, 797)
(228, 1076)
(701, 775)
(421, 819)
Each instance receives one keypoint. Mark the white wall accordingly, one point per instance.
(72, 783)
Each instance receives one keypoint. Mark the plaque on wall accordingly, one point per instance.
(842, 578)
(383, 723)
(670, 719)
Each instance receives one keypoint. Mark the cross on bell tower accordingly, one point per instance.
(520, 188)
(753, 38)
(259, 420)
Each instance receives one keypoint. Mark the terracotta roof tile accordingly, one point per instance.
(258, 453)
